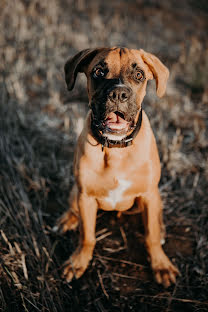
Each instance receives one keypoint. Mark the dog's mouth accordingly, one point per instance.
(115, 122)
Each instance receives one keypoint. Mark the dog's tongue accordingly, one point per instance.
(115, 122)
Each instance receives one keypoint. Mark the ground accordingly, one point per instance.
(39, 125)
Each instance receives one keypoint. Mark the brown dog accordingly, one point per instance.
(116, 162)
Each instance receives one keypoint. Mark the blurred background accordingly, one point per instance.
(39, 125)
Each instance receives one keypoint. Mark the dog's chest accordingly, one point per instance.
(114, 180)
(116, 195)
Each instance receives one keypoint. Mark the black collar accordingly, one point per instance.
(127, 141)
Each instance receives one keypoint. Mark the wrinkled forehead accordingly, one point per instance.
(118, 60)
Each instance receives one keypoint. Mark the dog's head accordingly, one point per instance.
(116, 83)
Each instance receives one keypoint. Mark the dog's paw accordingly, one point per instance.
(69, 221)
(165, 272)
(76, 265)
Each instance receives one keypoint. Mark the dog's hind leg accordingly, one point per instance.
(70, 219)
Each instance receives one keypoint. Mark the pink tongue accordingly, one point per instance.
(116, 122)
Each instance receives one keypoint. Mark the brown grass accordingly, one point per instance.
(39, 124)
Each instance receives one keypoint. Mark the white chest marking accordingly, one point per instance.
(115, 196)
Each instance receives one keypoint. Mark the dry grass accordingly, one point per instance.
(39, 123)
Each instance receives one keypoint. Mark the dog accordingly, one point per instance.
(116, 162)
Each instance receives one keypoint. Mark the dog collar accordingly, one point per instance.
(127, 141)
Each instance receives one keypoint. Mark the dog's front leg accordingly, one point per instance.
(165, 272)
(78, 262)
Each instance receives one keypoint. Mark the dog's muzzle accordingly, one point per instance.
(105, 142)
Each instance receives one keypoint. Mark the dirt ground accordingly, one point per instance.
(39, 125)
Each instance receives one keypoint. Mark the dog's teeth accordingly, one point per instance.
(55, 228)
(162, 241)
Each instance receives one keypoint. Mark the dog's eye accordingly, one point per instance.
(98, 72)
(140, 76)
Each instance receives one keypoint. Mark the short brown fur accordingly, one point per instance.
(98, 173)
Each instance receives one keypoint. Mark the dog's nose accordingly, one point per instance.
(119, 94)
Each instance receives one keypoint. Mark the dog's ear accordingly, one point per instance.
(77, 63)
(159, 70)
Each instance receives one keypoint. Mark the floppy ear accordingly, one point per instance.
(159, 70)
(76, 64)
